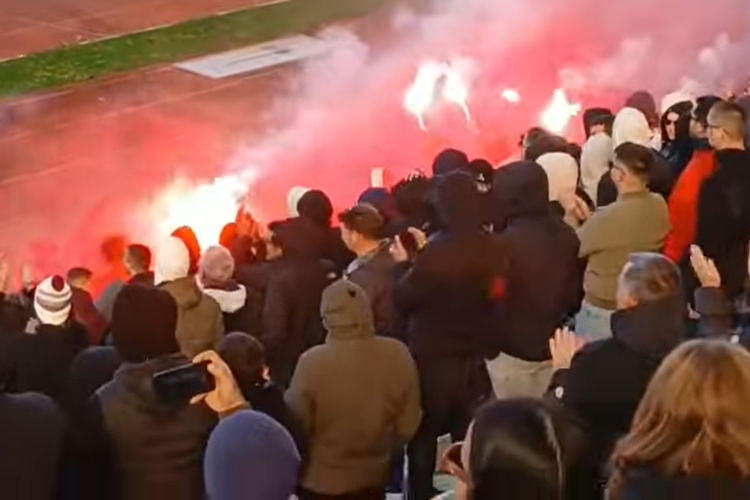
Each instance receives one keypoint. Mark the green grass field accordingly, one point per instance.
(78, 63)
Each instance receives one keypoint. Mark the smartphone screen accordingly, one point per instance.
(177, 386)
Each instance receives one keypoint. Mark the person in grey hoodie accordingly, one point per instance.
(200, 323)
(357, 397)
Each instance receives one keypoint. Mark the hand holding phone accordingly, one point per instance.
(225, 395)
(177, 386)
(452, 464)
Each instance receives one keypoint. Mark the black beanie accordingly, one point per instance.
(448, 161)
(144, 323)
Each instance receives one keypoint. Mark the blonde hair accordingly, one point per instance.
(693, 419)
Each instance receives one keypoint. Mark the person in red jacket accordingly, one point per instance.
(683, 202)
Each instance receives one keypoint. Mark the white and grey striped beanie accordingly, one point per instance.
(52, 301)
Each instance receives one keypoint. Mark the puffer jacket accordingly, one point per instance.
(200, 323)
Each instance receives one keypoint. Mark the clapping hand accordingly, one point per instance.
(704, 268)
(564, 346)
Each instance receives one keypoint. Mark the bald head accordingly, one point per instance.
(726, 126)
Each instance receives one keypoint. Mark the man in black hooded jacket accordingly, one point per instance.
(602, 384)
(291, 317)
(544, 281)
(324, 241)
(448, 296)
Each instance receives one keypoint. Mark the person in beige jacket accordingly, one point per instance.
(200, 324)
(357, 397)
(637, 222)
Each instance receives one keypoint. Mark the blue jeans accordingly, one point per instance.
(593, 323)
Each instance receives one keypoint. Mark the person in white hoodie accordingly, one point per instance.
(596, 159)
(199, 323)
(562, 174)
(564, 191)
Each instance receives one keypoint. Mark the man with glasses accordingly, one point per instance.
(638, 221)
(724, 201)
(683, 202)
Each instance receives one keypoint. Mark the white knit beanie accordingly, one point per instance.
(670, 100)
(562, 174)
(172, 261)
(292, 199)
(52, 301)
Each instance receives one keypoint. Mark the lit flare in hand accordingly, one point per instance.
(456, 90)
(206, 208)
(421, 95)
(559, 112)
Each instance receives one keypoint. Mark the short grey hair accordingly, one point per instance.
(649, 277)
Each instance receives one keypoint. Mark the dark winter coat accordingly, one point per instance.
(268, 398)
(40, 361)
(238, 307)
(677, 153)
(374, 274)
(544, 275)
(450, 292)
(291, 313)
(200, 323)
(143, 279)
(608, 378)
(154, 451)
(724, 218)
(719, 317)
(86, 313)
(91, 369)
(315, 213)
(15, 312)
(31, 432)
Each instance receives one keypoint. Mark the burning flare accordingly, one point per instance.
(421, 95)
(559, 112)
(206, 208)
(456, 90)
(437, 80)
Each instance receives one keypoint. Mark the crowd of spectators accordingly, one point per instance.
(576, 322)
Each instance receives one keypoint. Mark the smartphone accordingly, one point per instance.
(177, 386)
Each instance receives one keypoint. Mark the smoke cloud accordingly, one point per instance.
(344, 116)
